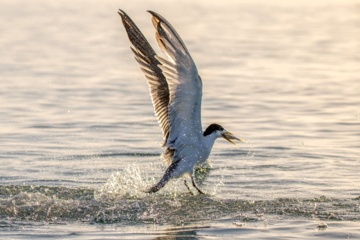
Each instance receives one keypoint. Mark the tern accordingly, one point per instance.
(176, 92)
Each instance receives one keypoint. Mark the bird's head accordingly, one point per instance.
(220, 132)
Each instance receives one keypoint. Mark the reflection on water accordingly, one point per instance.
(79, 140)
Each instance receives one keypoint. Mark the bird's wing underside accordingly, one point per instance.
(175, 86)
(146, 57)
(185, 86)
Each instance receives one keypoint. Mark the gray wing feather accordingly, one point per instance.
(185, 87)
(175, 86)
(150, 65)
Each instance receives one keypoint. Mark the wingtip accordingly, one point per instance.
(154, 14)
(121, 12)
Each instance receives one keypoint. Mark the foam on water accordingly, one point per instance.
(106, 205)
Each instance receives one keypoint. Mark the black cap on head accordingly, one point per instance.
(212, 128)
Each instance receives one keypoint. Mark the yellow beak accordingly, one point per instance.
(228, 136)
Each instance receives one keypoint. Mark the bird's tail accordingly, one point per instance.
(169, 173)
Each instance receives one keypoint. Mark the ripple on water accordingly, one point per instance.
(108, 205)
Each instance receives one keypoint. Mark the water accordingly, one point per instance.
(79, 141)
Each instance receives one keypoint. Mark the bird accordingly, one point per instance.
(176, 92)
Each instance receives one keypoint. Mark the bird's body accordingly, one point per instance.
(176, 91)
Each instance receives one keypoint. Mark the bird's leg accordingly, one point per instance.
(193, 183)
(187, 186)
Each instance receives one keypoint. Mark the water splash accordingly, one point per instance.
(58, 204)
(122, 199)
(130, 183)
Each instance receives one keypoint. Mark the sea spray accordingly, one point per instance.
(129, 183)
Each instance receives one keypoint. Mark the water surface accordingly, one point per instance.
(79, 140)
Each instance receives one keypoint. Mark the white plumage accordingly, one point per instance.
(176, 92)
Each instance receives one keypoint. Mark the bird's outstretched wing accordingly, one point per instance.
(175, 86)
(146, 57)
(185, 86)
